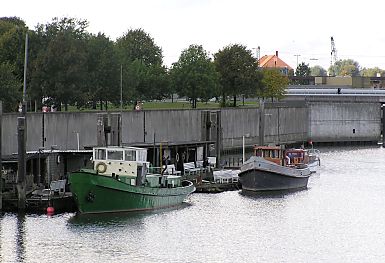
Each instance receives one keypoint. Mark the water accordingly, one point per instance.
(339, 218)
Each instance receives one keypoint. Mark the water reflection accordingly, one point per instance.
(20, 237)
(339, 218)
(1, 236)
(103, 220)
(119, 219)
(271, 194)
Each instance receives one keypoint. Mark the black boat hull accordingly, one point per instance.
(258, 180)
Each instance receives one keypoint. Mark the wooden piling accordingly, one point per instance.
(21, 171)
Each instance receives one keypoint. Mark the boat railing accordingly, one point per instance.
(169, 170)
(155, 170)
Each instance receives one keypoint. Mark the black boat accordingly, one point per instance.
(272, 168)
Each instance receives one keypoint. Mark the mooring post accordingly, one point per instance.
(21, 171)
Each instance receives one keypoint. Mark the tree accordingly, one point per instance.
(317, 71)
(146, 82)
(142, 62)
(238, 71)
(372, 72)
(137, 44)
(346, 67)
(103, 71)
(302, 72)
(10, 85)
(274, 84)
(194, 75)
(157, 74)
(60, 68)
(12, 41)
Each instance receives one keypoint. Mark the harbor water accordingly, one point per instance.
(339, 218)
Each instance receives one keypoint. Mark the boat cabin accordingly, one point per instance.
(281, 156)
(120, 160)
(130, 165)
(296, 157)
(270, 153)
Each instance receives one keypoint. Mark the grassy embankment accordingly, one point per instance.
(159, 105)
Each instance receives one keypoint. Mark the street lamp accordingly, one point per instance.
(297, 58)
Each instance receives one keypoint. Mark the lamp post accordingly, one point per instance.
(21, 140)
(297, 58)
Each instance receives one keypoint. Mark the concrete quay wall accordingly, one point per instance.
(283, 124)
(165, 125)
(293, 123)
(345, 121)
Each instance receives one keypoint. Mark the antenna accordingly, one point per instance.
(333, 53)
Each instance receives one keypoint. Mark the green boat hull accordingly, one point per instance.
(95, 193)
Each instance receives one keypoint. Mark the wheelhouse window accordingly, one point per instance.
(275, 154)
(115, 155)
(141, 155)
(100, 154)
(130, 155)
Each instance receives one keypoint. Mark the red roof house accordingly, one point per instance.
(273, 61)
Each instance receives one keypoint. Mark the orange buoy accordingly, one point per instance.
(50, 210)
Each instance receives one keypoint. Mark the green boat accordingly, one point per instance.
(121, 182)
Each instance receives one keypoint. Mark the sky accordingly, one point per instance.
(300, 30)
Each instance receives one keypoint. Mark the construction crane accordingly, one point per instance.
(258, 53)
(333, 53)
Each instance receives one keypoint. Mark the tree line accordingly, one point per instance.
(346, 67)
(68, 66)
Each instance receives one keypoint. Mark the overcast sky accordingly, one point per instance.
(297, 27)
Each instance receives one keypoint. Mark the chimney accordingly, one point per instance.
(275, 59)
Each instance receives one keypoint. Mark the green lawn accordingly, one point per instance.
(177, 105)
(156, 105)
